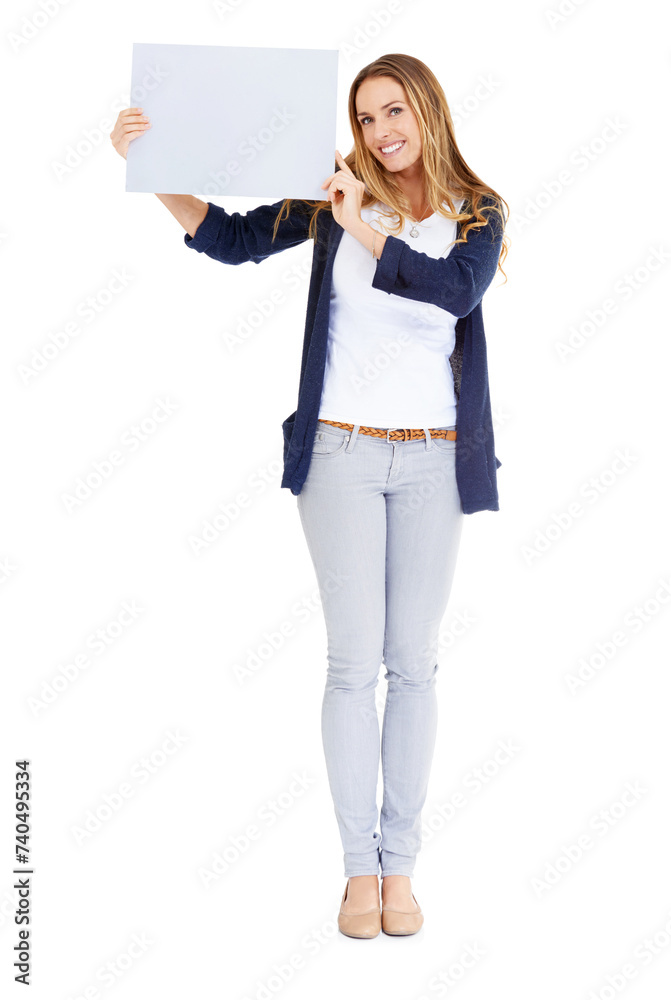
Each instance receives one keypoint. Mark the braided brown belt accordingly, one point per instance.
(397, 433)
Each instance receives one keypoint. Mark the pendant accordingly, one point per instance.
(413, 231)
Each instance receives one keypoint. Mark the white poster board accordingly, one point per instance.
(235, 120)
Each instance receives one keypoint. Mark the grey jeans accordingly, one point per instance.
(382, 520)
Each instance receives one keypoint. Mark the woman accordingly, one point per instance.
(406, 242)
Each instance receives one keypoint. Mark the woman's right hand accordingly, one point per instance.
(129, 125)
(188, 210)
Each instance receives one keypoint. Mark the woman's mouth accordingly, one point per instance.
(392, 148)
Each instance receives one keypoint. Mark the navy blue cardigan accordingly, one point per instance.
(456, 283)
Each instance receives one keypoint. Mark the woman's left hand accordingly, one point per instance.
(345, 193)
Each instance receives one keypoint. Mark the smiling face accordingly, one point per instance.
(387, 120)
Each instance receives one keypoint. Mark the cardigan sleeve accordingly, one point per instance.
(456, 282)
(234, 238)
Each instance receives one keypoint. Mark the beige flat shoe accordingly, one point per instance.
(401, 921)
(359, 925)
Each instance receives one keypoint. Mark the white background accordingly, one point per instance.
(527, 96)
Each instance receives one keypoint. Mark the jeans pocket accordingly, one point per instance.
(327, 445)
(444, 444)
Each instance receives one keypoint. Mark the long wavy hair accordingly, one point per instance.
(447, 177)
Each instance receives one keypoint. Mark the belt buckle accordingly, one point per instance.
(391, 429)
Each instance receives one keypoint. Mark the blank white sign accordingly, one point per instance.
(233, 120)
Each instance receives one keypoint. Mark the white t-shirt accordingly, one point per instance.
(387, 359)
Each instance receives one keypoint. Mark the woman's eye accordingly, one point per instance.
(364, 120)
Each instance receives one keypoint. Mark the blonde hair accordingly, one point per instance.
(447, 176)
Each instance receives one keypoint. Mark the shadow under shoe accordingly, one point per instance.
(401, 921)
(359, 925)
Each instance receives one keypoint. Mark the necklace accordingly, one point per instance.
(413, 229)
